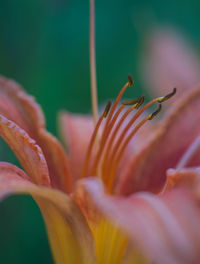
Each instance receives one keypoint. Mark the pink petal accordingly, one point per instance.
(27, 151)
(186, 177)
(76, 132)
(170, 62)
(69, 235)
(165, 228)
(171, 139)
(21, 108)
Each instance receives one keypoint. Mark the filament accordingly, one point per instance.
(92, 140)
(112, 151)
(115, 161)
(119, 124)
(106, 128)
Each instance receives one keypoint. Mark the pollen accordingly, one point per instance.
(118, 128)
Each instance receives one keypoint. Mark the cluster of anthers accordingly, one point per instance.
(108, 150)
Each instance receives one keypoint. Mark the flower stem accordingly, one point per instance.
(93, 80)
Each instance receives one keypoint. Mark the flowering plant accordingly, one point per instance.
(105, 201)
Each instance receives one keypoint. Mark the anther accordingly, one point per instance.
(150, 117)
(107, 109)
(140, 101)
(130, 80)
(130, 102)
(166, 97)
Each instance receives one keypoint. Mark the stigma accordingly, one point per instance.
(102, 159)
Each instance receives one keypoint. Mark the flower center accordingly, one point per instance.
(114, 140)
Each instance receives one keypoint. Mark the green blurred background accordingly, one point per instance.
(44, 46)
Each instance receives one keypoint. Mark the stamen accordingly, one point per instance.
(115, 160)
(107, 109)
(155, 113)
(139, 101)
(92, 140)
(108, 131)
(134, 118)
(166, 97)
(128, 84)
(130, 102)
(107, 125)
(130, 79)
(110, 150)
(119, 124)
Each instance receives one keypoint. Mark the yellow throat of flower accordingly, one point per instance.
(112, 245)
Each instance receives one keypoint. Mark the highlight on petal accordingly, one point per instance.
(170, 62)
(148, 168)
(163, 228)
(186, 177)
(27, 151)
(21, 108)
(76, 131)
(69, 235)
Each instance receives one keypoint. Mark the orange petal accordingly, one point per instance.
(69, 235)
(165, 228)
(27, 151)
(21, 108)
(170, 62)
(172, 138)
(76, 132)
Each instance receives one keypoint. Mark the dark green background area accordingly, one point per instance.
(44, 46)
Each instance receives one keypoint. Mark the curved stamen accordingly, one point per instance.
(166, 97)
(128, 84)
(109, 129)
(106, 128)
(134, 118)
(111, 152)
(119, 124)
(116, 158)
(92, 140)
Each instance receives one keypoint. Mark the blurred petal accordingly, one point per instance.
(164, 228)
(170, 62)
(187, 177)
(21, 108)
(76, 132)
(27, 151)
(69, 234)
(171, 140)
(111, 242)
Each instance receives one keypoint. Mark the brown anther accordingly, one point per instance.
(107, 109)
(130, 80)
(166, 97)
(131, 102)
(150, 117)
(140, 101)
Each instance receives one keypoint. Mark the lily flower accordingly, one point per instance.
(103, 203)
(106, 226)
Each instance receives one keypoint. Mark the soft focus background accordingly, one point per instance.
(44, 46)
